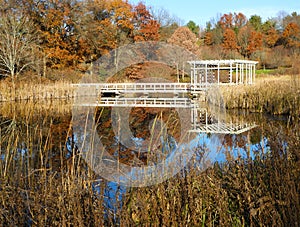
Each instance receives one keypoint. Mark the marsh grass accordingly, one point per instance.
(263, 191)
(41, 186)
(270, 94)
(35, 90)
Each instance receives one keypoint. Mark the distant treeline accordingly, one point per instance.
(40, 36)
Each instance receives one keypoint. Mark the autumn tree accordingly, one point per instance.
(184, 37)
(249, 40)
(226, 21)
(55, 21)
(291, 35)
(271, 37)
(230, 41)
(255, 42)
(146, 28)
(208, 38)
(240, 20)
(110, 24)
(233, 21)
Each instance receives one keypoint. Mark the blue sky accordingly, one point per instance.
(202, 11)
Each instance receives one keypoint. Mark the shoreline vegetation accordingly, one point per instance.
(47, 180)
(40, 186)
(42, 183)
(34, 91)
(276, 95)
(272, 94)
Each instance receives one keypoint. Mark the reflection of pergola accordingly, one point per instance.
(202, 120)
(210, 72)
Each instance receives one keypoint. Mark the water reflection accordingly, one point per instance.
(39, 146)
(149, 135)
(141, 140)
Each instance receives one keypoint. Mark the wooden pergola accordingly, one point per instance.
(210, 72)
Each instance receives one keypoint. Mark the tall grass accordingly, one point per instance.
(274, 95)
(35, 91)
(263, 191)
(40, 185)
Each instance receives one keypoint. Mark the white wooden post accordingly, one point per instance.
(254, 73)
(230, 74)
(218, 73)
(205, 74)
(242, 81)
(251, 71)
(236, 73)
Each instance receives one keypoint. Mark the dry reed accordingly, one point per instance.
(40, 186)
(36, 91)
(270, 94)
(258, 191)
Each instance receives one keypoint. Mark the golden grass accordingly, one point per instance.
(270, 94)
(262, 191)
(35, 91)
(42, 187)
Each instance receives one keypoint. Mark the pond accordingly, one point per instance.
(62, 156)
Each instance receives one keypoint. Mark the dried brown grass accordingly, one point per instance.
(270, 94)
(263, 191)
(35, 90)
(44, 188)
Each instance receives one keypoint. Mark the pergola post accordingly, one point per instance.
(251, 73)
(204, 70)
(206, 75)
(246, 73)
(218, 73)
(242, 81)
(230, 74)
(254, 73)
(236, 73)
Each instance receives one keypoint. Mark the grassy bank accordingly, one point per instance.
(270, 94)
(35, 90)
(41, 186)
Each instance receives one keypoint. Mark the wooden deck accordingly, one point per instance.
(199, 116)
(223, 128)
(141, 102)
(204, 74)
(126, 88)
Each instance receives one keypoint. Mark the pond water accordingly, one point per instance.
(131, 146)
(132, 137)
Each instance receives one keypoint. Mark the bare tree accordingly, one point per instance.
(164, 18)
(18, 39)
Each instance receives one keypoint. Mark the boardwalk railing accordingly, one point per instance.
(142, 102)
(223, 128)
(199, 117)
(120, 88)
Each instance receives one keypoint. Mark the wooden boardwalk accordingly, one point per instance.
(223, 128)
(141, 102)
(204, 75)
(146, 88)
(200, 121)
